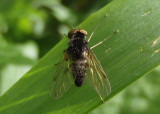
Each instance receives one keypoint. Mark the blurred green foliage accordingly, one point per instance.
(43, 22)
(30, 28)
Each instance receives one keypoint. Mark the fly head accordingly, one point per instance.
(77, 33)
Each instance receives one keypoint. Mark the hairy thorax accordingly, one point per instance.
(77, 49)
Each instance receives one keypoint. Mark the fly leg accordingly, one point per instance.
(92, 73)
(93, 82)
(105, 39)
(100, 22)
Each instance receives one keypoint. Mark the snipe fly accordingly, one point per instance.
(79, 62)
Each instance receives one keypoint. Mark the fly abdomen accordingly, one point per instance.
(79, 79)
(79, 72)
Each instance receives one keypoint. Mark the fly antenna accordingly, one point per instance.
(100, 22)
(105, 39)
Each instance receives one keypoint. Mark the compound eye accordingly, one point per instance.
(72, 32)
(83, 32)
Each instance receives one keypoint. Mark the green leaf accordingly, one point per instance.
(10, 53)
(127, 56)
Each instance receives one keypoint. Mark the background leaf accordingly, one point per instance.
(133, 52)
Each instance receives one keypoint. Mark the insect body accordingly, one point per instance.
(80, 63)
(78, 52)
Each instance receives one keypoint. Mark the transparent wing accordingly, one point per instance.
(63, 79)
(97, 76)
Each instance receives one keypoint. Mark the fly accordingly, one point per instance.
(79, 62)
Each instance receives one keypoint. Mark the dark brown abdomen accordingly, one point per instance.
(79, 72)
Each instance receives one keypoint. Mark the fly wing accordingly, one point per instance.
(97, 76)
(63, 79)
